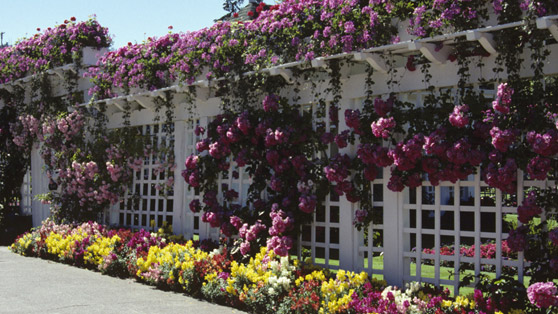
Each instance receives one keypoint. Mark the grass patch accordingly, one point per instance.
(427, 271)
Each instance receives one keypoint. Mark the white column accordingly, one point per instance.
(39, 184)
(348, 248)
(393, 239)
(179, 184)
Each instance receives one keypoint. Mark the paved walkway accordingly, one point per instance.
(32, 285)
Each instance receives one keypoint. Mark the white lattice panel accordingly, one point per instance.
(147, 199)
(322, 237)
(467, 213)
(371, 241)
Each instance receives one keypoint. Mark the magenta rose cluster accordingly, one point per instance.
(543, 294)
(292, 30)
(454, 150)
(85, 180)
(53, 47)
(274, 145)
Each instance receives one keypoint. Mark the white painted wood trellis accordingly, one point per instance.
(412, 220)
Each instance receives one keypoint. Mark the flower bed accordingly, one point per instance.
(266, 283)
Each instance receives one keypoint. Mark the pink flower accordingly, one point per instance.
(538, 168)
(502, 139)
(517, 239)
(542, 294)
(243, 123)
(528, 209)
(352, 119)
(503, 98)
(360, 215)
(458, 118)
(396, 183)
(341, 139)
(383, 127)
(191, 162)
(307, 203)
(245, 247)
(236, 222)
(271, 103)
(544, 144)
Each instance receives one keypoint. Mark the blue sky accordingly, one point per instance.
(127, 20)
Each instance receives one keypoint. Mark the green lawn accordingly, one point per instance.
(427, 271)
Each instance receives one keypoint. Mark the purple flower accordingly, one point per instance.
(271, 103)
(195, 206)
(341, 139)
(553, 236)
(360, 215)
(382, 107)
(352, 119)
(349, 27)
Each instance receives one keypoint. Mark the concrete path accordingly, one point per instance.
(32, 285)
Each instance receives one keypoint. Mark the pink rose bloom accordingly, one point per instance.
(383, 127)
(542, 294)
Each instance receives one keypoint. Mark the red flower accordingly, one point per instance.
(410, 63)
(170, 27)
(73, 19)
(235, 14)
(251, 13)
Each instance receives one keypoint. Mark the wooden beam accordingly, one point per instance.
(549, 23)
(375, 60)
(431, 51)
(485, 39)
(286, 74)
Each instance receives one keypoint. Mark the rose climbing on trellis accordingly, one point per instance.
(276, 145)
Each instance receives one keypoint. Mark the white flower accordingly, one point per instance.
(272, 280)
(274, 265)
(285, 282)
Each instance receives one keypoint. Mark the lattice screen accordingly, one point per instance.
(370, 242)
(467, 213)
(146, 200)
(322, 237)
